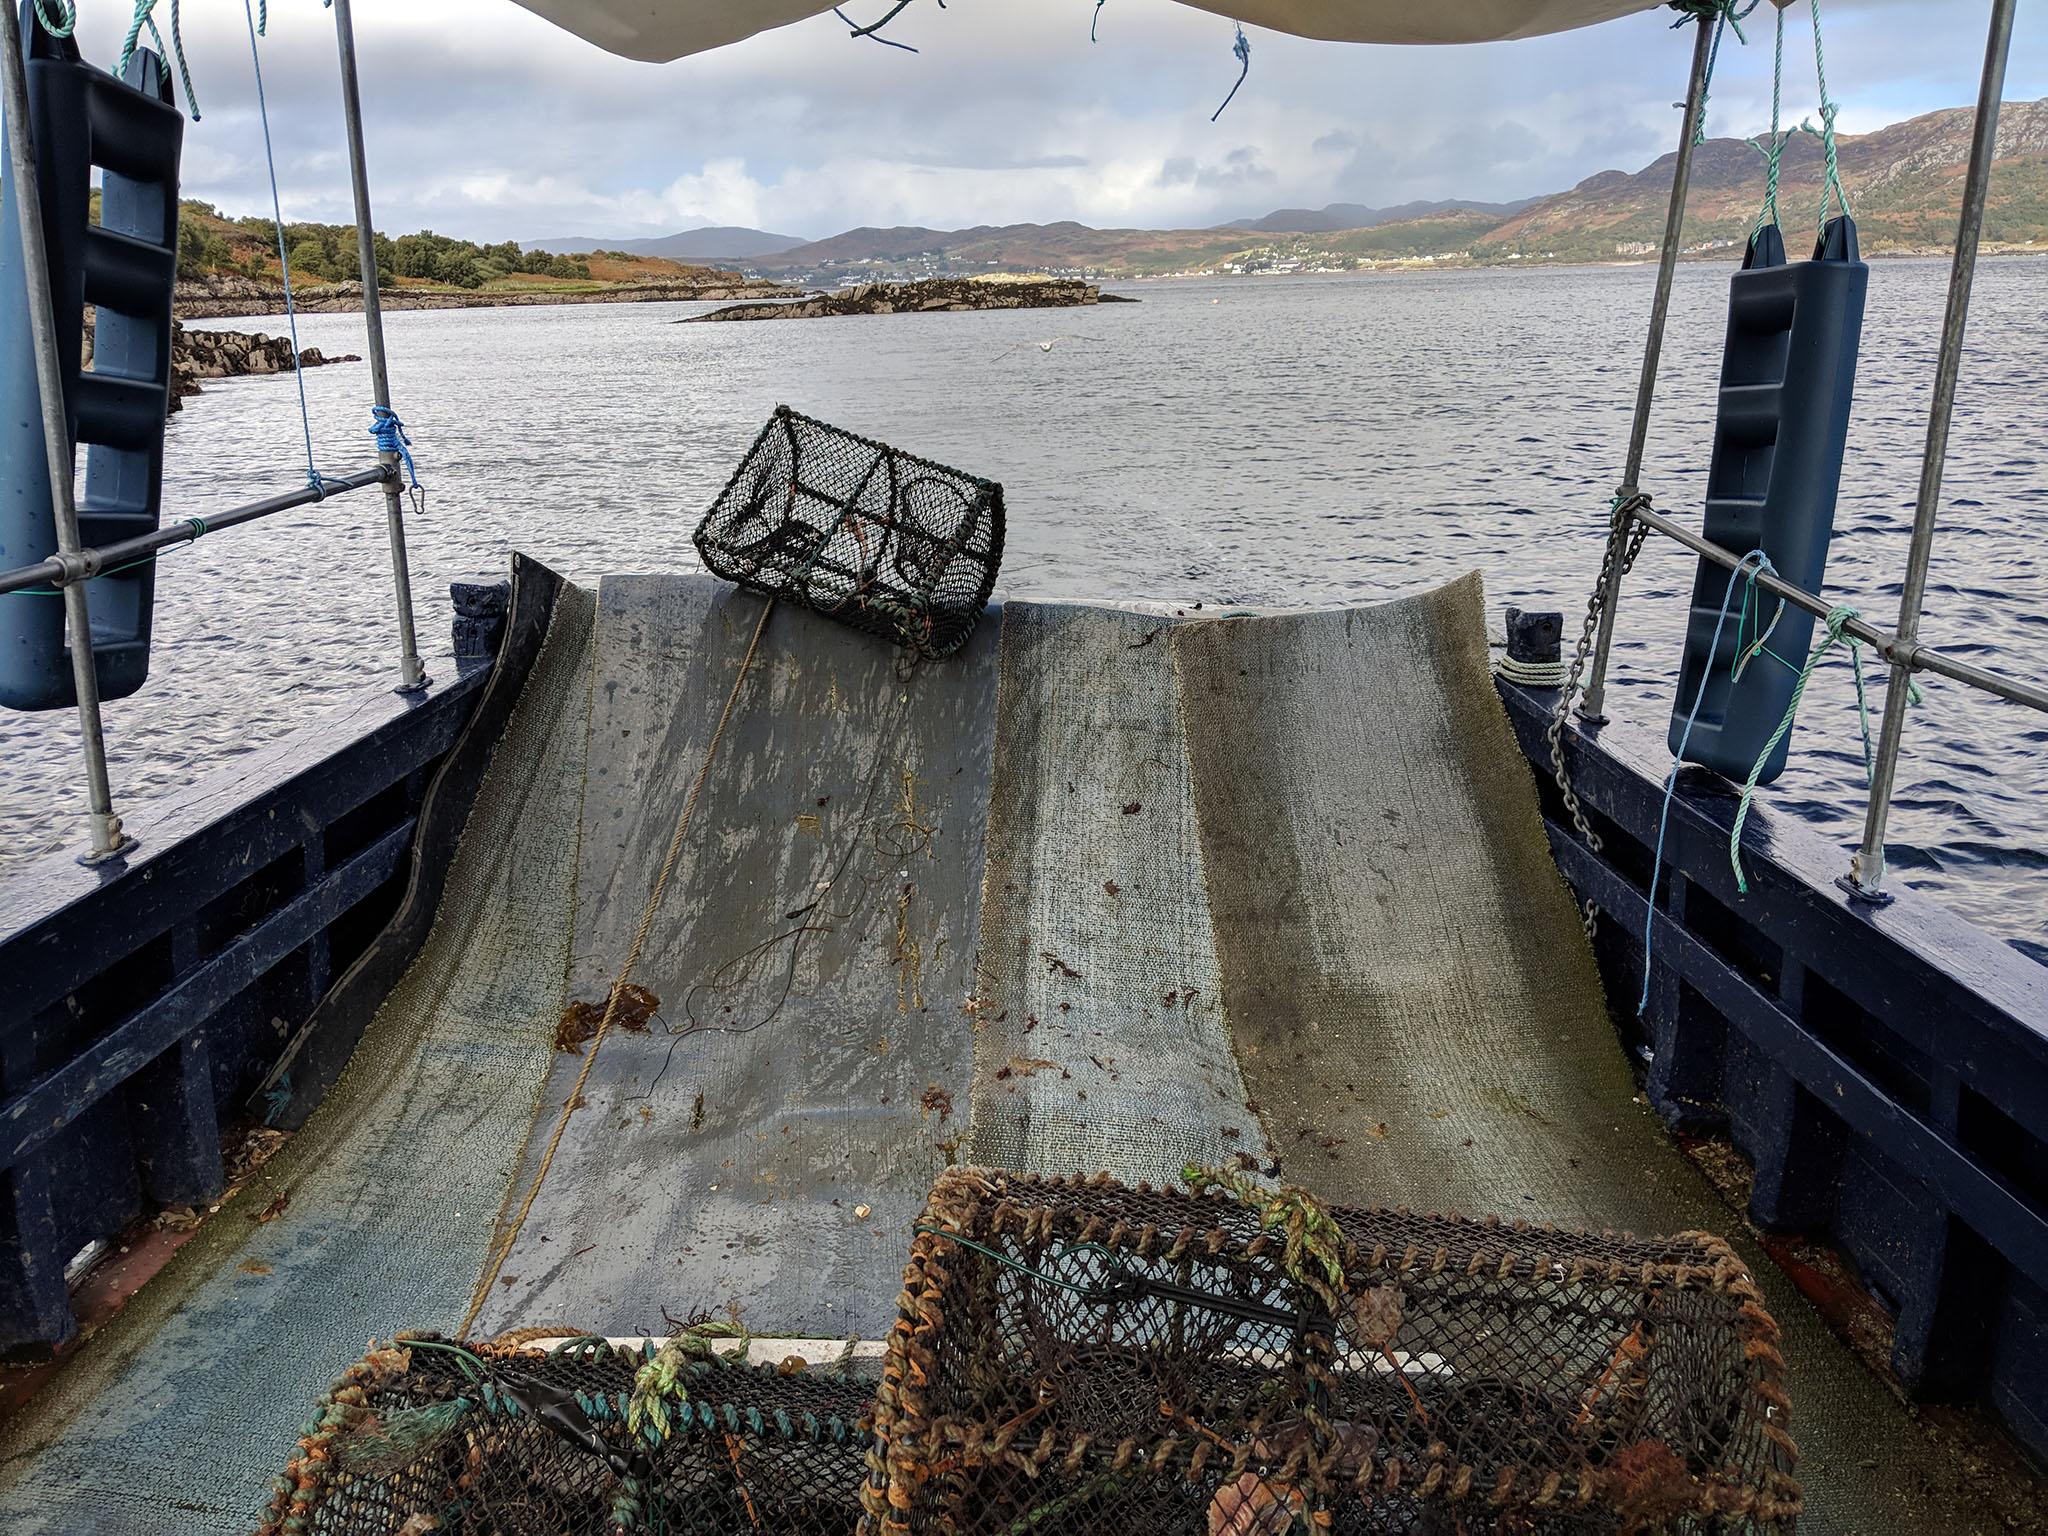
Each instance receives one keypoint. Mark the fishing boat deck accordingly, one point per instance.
(1105, 891)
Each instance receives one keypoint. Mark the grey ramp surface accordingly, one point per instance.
(174, 1417)
(1416, 1007)
(812, 953)
(1100, 1040)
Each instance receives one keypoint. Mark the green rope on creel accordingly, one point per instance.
(1837, 621)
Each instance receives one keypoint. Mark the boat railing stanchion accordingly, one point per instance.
(412, 676)
(1865, 879)
(108, 840)
(1593, 707)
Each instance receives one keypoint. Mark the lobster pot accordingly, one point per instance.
(517, 1442)
(892, 544)
(1113, 1359)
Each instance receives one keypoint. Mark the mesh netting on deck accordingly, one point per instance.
(890, 543)
(428, 1436)
(1084, 1356)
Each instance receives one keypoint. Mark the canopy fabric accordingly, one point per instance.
(658, 30)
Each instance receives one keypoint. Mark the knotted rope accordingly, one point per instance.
(392, 437)
(52, 26)
(1726, 18)
(1241, 50)
(144, 18)
(1837, 634)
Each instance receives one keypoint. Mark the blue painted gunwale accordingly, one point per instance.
(1882, 1067)
(140, 1001)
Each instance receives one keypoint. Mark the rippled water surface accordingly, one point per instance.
(1281, 442)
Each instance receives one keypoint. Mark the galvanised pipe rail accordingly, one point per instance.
(1905, 653)
(68, 569)
(412, 674)
(1866, 869)
(1592, 708)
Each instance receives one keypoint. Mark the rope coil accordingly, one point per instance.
(392, 437)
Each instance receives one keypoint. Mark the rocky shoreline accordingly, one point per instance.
(220, 298)
(934, 295)
(197, 355)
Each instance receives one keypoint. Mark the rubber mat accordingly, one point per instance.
(763, 1146)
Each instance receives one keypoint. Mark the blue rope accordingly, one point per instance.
(392, 438)
(1094, 17)
(291, 315)
(1745, 574)
(873, 31)
(1242, 51)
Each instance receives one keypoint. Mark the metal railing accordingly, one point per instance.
(73, 566)
(1901, 648)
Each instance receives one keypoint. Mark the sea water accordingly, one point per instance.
(1287, 441)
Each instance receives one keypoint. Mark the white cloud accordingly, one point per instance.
(486, 121)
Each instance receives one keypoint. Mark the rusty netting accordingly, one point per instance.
(893, 544)
(1079, 1355)
(430, 1436)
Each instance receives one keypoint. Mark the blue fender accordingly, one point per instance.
(1788, 375)
(125, 267)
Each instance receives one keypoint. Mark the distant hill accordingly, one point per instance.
(1336, 216)
(1904, 183)
(712, 243)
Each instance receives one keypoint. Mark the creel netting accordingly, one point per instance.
(893, 544)
(426, 1438)
(1078, 1355)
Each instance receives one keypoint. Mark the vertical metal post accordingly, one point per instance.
(108, 840)
(1866, 868)
(412, 676)
(1653, 350)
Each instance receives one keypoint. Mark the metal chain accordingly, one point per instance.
(1625, 537)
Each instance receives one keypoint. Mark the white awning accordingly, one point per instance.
(658, 30)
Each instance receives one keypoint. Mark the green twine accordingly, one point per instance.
(56, 28)
(1768, 213)
(144, 18)
(1725, 18)
(1837, 634)
(199, 530)
(1831, 182)
(1832, 186)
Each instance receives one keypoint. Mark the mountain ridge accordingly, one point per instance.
(1904, 184)
(708, 243)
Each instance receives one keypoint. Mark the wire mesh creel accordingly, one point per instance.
(1050, 1371)
(895, 545)
(424, 1438)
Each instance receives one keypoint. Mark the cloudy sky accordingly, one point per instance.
(487, 122)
